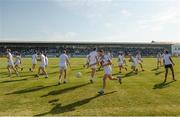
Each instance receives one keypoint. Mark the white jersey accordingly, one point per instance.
(162, 56)
(105, 59)
(10, 59)
(110, 55)
(92, 57)
(34, 58)
(121, 59)
(138, 56)
(87, 60)
(63, 60)
(18, 60)
(159, 57)
(46, 60)
(134, 61)
(43, 61)
(167, 60)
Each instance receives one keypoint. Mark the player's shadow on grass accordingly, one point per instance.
(56, 72)
(162, 85)
(31, 89)
(129, 74)
(154, 69)
(159, 72)
(58, 108)
(77, 68)
(60, 91)
(8, 81)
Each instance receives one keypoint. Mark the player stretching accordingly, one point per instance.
(121, 62)
(168, 62)
(42, 65)
(139, 59)
(93, 61)
(159, 60)
(10, 63)
(34, 61)
(106, 64)
(64, 61)
(18, 62)
(134, 63)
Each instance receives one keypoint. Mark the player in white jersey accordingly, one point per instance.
(93, 61)
(168, 62)
(46, 60)
(139, 59)
(34, 61)
(42, 65)
(18, 62)
(110, 55)
(134, 63)
(159, 60)
(124, 60)
(106, 64)
(86, 62)
(64, 62)
(121, 62)
(10, 63)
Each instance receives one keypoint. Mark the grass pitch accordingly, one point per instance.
(141, 94)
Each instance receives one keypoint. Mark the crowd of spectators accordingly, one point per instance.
(84, 51)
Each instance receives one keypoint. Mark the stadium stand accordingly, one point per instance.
(82, 48)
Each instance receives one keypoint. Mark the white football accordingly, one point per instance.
(78, 74)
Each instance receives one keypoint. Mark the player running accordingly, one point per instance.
(134, 63)
(93, 61)
(139, 59)
(168, 62)
(10, 63)
(42, 65)
(159, 60)
(34, 61)
(106, 64)
(64, 61)
(121, 62)
(18, 62)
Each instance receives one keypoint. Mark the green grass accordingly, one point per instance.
(140, 94)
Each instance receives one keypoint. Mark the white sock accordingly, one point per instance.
(90, 78)
(65, 80)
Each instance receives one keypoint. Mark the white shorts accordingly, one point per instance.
(34, 62)
(63, 67)
(158, 59)
(139, 61)
(121, 64)
(42, 65)
(17, 63)
(107, 70)
(93, 67)
(134, 65)
(10, 64)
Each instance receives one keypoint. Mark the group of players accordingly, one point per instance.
(94, 59)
